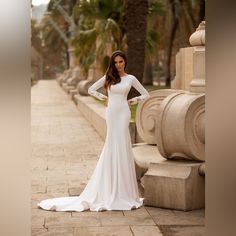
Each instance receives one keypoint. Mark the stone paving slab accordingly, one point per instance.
(104, 230)
(65, 221)
(63, 160)
(171, 217)
(66, 231)
(146, 231)
(183, 230)
(126, 220)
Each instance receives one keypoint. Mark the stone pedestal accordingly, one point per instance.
(197, 84)
(83, 86)
(67, 87)
(190, 70)
(75, 78)
(72, 59)
(62, 76)
(144, 155)
(67, 75)
(190, 64)
(174, 185)
(184, 69)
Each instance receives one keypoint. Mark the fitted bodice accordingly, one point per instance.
(118, 92)
(121, 89)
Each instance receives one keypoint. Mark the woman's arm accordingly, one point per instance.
(98, 84)
(139, 87)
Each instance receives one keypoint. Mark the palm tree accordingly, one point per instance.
(151, 48)
(101, 27)
(155, 10)
(136, 27)
(175, 16)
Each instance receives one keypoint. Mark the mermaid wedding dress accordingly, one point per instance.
(113, 184)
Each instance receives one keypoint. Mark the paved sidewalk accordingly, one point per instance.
(65, 149)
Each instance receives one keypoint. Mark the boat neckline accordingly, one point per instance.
(124, 76)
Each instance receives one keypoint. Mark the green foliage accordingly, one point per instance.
(35, 35)
(154, 87)
(100, 24)
(151, 42)
(155, 7)
(52, 41)
(86, 61)
(133, 109)
(50, 37)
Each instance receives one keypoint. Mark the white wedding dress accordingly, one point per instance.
(113, 184)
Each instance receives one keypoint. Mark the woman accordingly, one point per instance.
(113, 185)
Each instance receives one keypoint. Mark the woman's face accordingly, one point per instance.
(119, 64)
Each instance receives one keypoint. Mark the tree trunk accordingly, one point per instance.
(201, 10)
(71, 3)
(136, 26)
(170, 44)
(148, 78)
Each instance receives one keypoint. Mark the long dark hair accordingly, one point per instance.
(112, 75)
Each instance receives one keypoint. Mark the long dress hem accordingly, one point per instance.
(85, 206)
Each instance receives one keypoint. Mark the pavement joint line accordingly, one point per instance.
(151, 216)
(44, 224)
(131, 230)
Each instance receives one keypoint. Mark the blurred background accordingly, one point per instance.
(149, 31)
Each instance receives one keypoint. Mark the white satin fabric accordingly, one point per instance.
(113, 184)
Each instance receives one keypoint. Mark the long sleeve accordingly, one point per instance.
(139, 87)
(98, 84)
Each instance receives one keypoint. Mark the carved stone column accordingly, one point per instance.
(174, 120)
(197, 40)
(190, 64)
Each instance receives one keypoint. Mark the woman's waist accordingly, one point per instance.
(120, 99)
(117, 104)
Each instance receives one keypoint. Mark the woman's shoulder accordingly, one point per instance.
(103, 78)
(132, 77)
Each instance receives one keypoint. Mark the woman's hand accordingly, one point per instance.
(130, 103)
